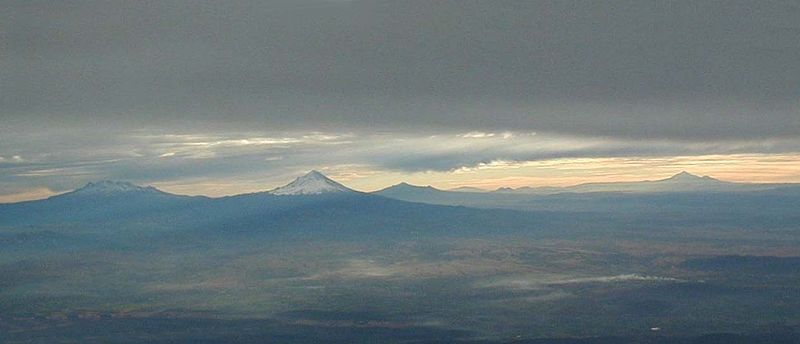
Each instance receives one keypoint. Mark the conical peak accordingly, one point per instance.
(683, 175)
(312, 183)
(314, 174)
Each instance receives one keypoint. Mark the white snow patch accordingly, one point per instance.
(111, 187)
(313, 183)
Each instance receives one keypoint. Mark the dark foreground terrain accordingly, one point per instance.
(354, 268)
(502, 289)
(200, 330)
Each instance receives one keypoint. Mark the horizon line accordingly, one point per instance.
(312, 171)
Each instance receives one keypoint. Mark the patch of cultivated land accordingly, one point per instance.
(497, 287)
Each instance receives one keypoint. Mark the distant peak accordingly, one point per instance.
(311, 183)
(407, 185)
(686, 176)
(112, 187)
(404, 187)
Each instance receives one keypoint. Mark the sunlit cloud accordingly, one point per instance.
(12, 159)
(765, 168)
(227, 163)
(483, 135)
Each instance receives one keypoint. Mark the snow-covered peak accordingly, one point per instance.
(313, 183)
(107, 187)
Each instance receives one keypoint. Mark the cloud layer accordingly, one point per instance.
(225, 163)
(669, 70)
(236, 95)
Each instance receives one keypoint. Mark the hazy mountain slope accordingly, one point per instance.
(132, 215)
(351, 216)
(681, 182)
(120, 210)
(682, 187)
(757, 209)
(99, 202)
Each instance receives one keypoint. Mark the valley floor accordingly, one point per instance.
(496, 289)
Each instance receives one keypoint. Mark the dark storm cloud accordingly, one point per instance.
(687, 70)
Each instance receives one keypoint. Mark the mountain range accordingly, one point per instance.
(682, 197)
(310, 205)
(314, 205)
(117, 246)
(681, 182)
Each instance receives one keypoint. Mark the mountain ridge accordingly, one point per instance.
(679, 182)
(316, 183)
(110, 187)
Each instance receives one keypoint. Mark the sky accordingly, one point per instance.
(216, 98)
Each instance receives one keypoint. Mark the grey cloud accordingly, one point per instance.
(273, 158)
(64, 161)
(683, 70)
(445, 153)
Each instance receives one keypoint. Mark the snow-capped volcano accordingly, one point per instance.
(313, 183)
(109, 187)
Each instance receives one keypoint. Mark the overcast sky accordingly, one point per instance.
(243, 94)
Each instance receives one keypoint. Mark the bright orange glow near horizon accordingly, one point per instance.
(744, 168)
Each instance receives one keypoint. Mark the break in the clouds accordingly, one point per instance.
(228, 163)
(690, 70)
